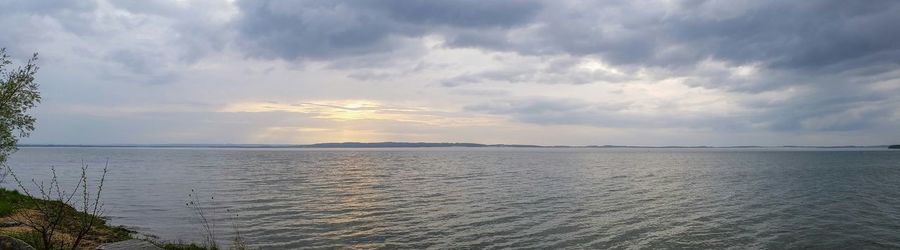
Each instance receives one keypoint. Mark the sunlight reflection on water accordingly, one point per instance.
(499, 197)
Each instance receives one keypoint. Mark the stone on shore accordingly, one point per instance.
(10, 243)
(129, 245)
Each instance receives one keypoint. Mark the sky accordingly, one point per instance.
(555, 72)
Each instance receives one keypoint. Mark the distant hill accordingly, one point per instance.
(894, 147)
(410, 145)
(390, 145)
(317, 145)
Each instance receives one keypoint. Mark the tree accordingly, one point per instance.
(18, 94)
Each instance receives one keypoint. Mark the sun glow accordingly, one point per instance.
(355, 120)
(332, 110)
(355, 110)
(358, 110)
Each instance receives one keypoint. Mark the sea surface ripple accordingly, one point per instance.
(499, 197)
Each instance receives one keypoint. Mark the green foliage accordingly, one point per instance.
(30, 237)
(18, 94)
(10, 201)
(54, 217)
(6, 208)
(117, 233)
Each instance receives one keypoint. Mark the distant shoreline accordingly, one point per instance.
(407, 145)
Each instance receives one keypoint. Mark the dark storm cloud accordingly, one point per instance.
(803, 37)
(832, 51)
(808, 35)
(461, 13)
(322, 29)
(831, 65)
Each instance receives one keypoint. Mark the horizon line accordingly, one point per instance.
(396, 144)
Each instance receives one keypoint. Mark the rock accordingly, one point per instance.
(10, 243)
(129, 245)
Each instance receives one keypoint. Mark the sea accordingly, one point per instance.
(491, 198)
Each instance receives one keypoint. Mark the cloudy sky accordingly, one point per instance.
(637, 72)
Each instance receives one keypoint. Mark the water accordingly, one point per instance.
(501, 198)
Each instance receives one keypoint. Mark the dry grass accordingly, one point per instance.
(66, 236)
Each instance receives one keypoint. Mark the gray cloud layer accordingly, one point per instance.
(833, 64)
(797, 35)
(323, 29)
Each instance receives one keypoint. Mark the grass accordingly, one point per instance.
(11, 200)
(30, 237)
(34, 238)
(14, 203)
